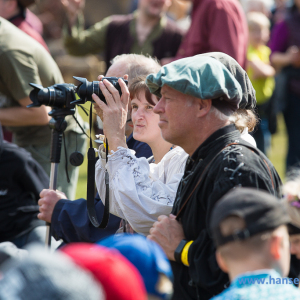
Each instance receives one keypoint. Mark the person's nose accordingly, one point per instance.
(139, 114)
(159, 107)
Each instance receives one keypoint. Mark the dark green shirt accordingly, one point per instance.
(79, 42)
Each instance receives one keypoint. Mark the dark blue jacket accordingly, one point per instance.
(70, 221)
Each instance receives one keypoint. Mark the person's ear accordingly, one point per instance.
(221, 262)
(204, 107)
(276, 246)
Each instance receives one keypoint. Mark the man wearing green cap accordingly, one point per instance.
(199, 98)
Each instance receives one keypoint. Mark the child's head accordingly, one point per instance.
(249, 228)
(259, 31)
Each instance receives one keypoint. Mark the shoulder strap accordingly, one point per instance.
(91, 185)
(207, 168)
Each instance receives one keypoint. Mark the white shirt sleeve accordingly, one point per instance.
(248, 138)
(140, 192)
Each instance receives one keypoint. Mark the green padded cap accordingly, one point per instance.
(248, 99)
(199, 76)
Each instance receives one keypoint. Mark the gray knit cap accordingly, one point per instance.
(47, 276)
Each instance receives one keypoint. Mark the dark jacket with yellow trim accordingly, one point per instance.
(236, 165)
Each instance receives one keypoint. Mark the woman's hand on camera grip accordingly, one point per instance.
(113, 113)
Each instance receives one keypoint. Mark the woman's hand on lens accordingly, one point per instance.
(114, 112)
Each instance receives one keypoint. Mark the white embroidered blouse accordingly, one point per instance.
(139, 191)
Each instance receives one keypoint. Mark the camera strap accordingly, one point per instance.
(91, 184)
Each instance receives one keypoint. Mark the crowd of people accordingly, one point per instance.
(193, 208)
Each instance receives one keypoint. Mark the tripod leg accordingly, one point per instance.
(53, 185)
(58, 124)
(48, 235)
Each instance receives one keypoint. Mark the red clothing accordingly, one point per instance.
(217, 25)
(24, 26)
(34, 21)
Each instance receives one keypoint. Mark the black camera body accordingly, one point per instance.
(64, 95)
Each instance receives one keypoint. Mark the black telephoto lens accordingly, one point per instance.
(86, 88)
(58, 95)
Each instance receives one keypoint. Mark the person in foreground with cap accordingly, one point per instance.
(149, 259)
(249, 228)
(198, 96)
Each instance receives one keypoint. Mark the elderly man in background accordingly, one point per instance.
(198, 99)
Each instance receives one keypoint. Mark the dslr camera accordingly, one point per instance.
(64, 95)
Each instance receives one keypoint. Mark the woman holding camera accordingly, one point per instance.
(140, 190)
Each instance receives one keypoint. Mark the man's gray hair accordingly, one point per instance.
(218, 114)
(137, 64)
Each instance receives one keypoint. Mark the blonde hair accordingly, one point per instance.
(292, 185)
(257, 19)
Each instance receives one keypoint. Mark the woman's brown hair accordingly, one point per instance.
(245, 118)
(137, 86)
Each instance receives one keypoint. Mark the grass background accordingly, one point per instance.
(278, 150)
(276, 154)
(82, 179)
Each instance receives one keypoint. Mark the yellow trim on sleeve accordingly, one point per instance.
(185, 252)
